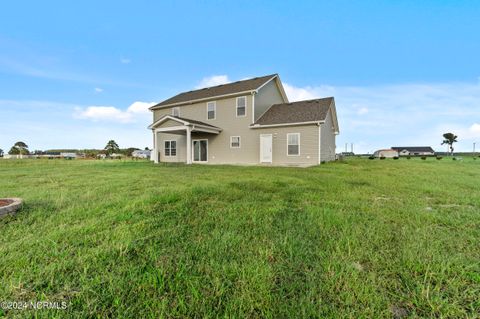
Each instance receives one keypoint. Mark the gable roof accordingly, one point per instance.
(219, 90)
(297, 112)
(182, 120)
(414, 149)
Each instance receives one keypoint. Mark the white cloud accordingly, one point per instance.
(125, 61)
(362, 111)
(381, 116)
(113, 114)
(98, 90)
(475, 129)
(213, 81)
(140, 107)
(298, 94)
(103, 113)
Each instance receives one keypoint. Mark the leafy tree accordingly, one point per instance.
(14, 151)
(147, 149)
(449, 139)
(112, 147)
(20, 148)
(1, 152)
(91, 154)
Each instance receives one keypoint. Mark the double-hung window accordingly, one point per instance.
(241, 106)
(293, 144)
(234, 141)
(170, 148)
(211, 110)
(176, 111)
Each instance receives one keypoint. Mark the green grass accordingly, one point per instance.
(354, 239)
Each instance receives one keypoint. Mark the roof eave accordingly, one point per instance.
(286, 124)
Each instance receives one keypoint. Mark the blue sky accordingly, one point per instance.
(74, 75)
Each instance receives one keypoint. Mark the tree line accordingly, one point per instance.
(21, 148)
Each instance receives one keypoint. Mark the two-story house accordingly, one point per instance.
(245, 122)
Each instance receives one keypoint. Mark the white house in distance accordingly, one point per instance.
(141, 154)
(387, 153)
(414, 150)
(244, 122)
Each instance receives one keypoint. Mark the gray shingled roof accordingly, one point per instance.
(224, 89)
(413, 149)
(296, 112)
(194, 121)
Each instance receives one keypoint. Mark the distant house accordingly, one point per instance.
(116, 155)
(388, 153)
(347, 154)
(141, 154)
(414, 150)
(10, 156)
(68, 155)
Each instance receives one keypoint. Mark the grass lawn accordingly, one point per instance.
(355, 239)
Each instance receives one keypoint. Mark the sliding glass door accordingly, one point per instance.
(200, 150)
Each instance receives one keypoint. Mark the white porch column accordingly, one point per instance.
(154, 155)
(189, 145)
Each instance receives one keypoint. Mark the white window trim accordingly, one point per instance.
(239, 142)
(214, 110)
(165, 153)
(236, 108)
(288, 134)
(173, 111)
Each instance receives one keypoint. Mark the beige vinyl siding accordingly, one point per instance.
(219, 151)
(327, 147)
(266, 97)
(170, 123)
(158, 114)
(181, 147)
(308, 145)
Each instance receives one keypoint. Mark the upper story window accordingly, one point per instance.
(211, 110)
(293, 144)
(234, 141)
(241, 106)
(176, 111)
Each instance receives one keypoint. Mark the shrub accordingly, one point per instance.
(371, 157)
(424, 157)
(439, 157)
(382, 157)
(395, 157)
(409, 157)
(454, 158)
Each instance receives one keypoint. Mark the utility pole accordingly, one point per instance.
(351, 147)
(474, 148)
(346, 147)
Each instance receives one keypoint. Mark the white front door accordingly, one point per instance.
(200, 151)
(265, 148)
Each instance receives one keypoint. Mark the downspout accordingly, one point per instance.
(253, 107)
(319, 143)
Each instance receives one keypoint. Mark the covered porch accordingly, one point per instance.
(195, 149)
